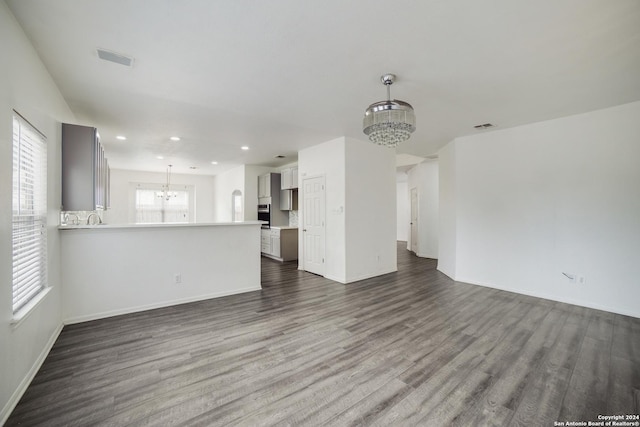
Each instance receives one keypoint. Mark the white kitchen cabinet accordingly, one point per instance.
(275, 246)
(265, 241)
(268, 185)
(280, 243)
(289, 178)
(264, 186)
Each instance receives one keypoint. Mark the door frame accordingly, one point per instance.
(412, 243)
(301, 233)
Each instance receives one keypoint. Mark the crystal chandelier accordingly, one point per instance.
(389, 122)
(165, 193)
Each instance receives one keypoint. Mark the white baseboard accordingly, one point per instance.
(358, 278)
(26, 381)
(335, 279)
(542, 295)
(425, 256)
(369, 276)
(128, 310)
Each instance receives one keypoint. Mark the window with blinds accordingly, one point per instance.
(29, 218)
(153, 205)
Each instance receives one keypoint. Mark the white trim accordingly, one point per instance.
(29, 308)
(425, 256)
(346, 281)
(369, 276)
(118, 312)
(26, 381)
(551, 298)
(334, 278)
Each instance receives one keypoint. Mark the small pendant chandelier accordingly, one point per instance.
(389, 122)
(165, 193)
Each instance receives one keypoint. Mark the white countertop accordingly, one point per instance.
(193, 224)
(284, 227)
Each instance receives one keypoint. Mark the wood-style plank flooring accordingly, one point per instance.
(411, 348)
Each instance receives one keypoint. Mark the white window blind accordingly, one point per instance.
(29, 219)
(152, 207)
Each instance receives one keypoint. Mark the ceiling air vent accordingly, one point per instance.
(118, 58)
(484, 126)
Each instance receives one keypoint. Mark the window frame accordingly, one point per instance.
(29, 223)
(134, 187)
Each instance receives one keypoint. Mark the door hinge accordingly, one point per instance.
(323, 260)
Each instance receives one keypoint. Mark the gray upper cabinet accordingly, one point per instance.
(85, 170)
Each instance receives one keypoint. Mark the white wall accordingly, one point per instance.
(447, 236)
(558, 196)
(243, 178)
(224, 184)
(122, 196)
(26, 86)
(403, 213)
(370, 212)
(424, 177)
(133, 269)
(360, 182)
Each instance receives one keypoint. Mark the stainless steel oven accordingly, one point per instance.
(264, 214)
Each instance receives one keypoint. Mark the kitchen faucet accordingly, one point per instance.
(92, 214)
(75, 221)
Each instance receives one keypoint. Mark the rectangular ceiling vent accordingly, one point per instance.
(118, 58)
(483, 126)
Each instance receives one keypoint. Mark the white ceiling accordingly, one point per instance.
(282, 75)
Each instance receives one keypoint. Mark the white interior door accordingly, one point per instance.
(414, 220)
(313, 224)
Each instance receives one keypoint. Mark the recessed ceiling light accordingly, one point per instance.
(121, 137)
(280, 156)
(214, 163)
(244, 147)
(159, 157)
(175, 138)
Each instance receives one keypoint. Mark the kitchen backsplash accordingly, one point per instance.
(293, 218)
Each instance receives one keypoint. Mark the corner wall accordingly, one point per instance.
(370, 210)
(360, 208)
(557, 196)
(27, 87)
(447, 236)
(328, 160)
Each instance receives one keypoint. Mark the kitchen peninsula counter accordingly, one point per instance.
(158, 225)
(112, 269)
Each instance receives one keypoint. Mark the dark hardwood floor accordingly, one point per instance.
(405, 349)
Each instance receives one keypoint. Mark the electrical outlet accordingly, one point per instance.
(177, 278)
(581, 280)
